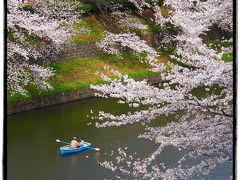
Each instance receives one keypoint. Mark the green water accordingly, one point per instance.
(33, 154)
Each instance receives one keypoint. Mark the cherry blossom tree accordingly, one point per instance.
(22, 54)
(114, 43)
(204, 130)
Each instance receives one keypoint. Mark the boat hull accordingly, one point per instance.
(68, 150)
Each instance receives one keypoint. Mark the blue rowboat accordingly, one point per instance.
(68, 150)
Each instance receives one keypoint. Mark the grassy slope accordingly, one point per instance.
(81, 72)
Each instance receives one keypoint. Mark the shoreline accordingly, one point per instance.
(63, 97)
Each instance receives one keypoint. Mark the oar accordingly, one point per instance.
(96, 149)
(57, 140)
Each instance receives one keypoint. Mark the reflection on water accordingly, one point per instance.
(32, 152)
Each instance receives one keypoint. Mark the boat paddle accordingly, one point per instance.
(57, 140)
(96, 149)
(64, 142)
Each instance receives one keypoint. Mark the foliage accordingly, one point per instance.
(152, 27)
(227, 57)
(87, 29)
(168, 49)
(218, 44)
(158, 2)
(27, 7)
(103, 5)
(56, 4)
(87, 8)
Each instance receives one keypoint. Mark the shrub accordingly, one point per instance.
(102, 5)
(27, 7)
(58, 4)
(227, 57)
(86, 7)
(159, 2)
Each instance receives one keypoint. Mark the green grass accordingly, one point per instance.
(15, 97)
(28, 39)
(127, 61)
(169, 27)
(227, 57)
(217, 44)
(141, 73)
(156, 29)
(96, 30)
(81, 72)
(32, 38)
(167, 50)
(10, 35)
(152, 27)
(33, 92)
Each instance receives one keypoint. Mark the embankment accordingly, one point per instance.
(63, 97)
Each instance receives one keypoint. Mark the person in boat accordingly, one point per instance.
(81, 142)
(74, 143)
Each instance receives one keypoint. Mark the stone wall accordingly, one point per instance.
(70, 52)
(63, 97)
(82, 50)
